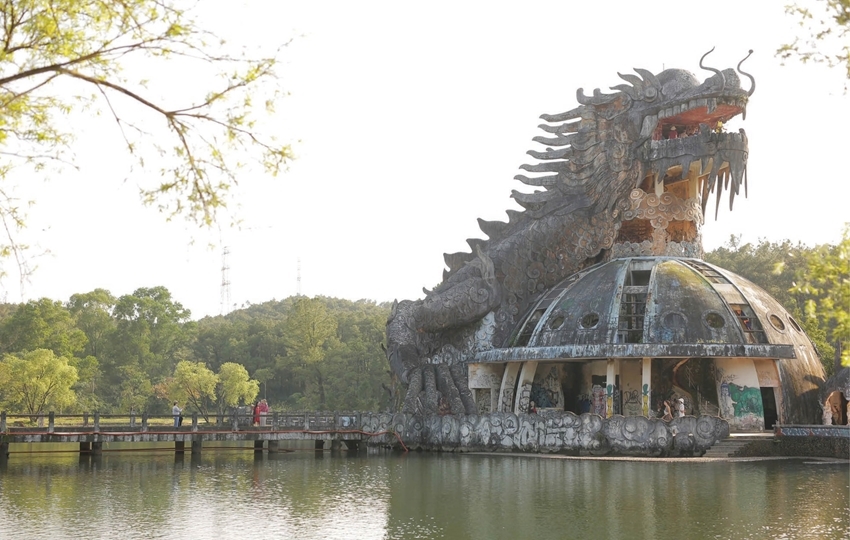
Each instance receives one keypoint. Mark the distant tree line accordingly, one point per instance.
(142, 351)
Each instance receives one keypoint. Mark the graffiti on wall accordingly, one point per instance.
(546, 391)
(631, 402)
(597, 400)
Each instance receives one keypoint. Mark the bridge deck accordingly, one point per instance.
(91, 431)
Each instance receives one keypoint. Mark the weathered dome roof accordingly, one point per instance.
(655, 307)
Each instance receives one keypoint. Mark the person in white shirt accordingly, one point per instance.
(176, 411)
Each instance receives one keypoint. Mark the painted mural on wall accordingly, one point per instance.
(740, 404)
(548, 432)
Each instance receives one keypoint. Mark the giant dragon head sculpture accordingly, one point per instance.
(625, 140)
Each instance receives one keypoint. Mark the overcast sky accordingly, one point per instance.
(409, 121)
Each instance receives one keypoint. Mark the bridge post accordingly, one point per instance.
(274, 446)
(85, 448)
(85, 419)
(197, 443)
(144, 421)
(51, 422)
(179, 447)
(319, 444)
(194, 424)
(132, 418)
(258, 446)
(336, 444)
(306, 421)
(96, 421)
(275, 422)
(234, 421)
(96, 448)
(4, 446)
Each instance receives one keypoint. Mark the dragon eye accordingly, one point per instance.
(651, 93)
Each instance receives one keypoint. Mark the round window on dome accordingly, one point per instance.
(795, 325)
(714, 320)
(674, 321)
(777, 322)
(590, 320)
(556, 323)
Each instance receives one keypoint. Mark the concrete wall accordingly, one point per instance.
(548, 432)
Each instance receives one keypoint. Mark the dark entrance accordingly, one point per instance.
(768, 400)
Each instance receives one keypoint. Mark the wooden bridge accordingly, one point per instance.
(92, 430)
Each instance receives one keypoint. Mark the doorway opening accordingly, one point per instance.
(768, 400)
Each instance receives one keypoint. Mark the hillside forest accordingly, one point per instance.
(142, 351)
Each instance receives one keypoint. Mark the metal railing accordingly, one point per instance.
(272, 421)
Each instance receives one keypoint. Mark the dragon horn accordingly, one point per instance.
(752, 80)
(716, 71)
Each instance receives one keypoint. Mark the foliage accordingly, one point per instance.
(143, 352)
(827, 283)
(92, 313)
(41, 324)
(194, 383)
(151, 331)
(36, 382)
(827, 27)
(308, 331)
(136, 61)
(234, 386)
(135, 389)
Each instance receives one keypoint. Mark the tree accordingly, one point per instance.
(307, 329)
(827, 27)
(194, 383)
(60, 56)
(151, 331)
(37, 381)
(828, 280)
(135, 390)
(41, 324)
(234, 386)
(92, 314)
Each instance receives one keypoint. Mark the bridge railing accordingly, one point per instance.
(235, 421)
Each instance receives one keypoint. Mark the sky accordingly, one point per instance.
(409, 121)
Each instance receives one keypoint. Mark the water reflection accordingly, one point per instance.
(239, 494)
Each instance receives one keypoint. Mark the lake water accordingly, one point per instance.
(225, 494)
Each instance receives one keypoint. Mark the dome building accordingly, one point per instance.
(622, 336)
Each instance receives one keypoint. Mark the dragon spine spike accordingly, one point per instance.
(527, 200)
(550, 153)
(571, 127)
(546, 166)
(540, 181)
(649, 77)
(564, 116)
(556, 141)
(628, 90)
(492, 229)
(634, 80)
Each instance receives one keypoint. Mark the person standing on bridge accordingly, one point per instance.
(176, 411)
(264, 410)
